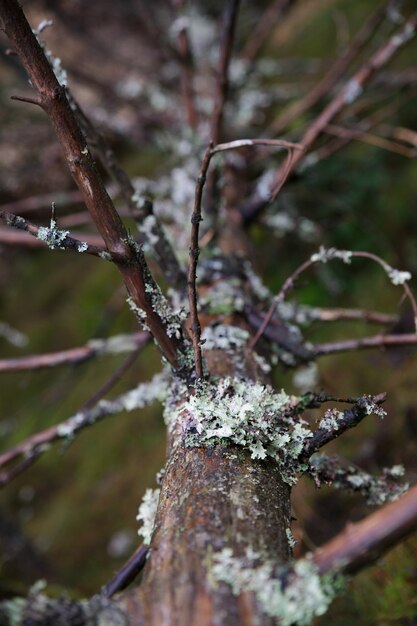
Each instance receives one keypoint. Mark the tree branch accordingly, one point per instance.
(116, 238)
(362, 543)
(74, 356)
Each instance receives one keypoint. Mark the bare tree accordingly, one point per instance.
(217, 532)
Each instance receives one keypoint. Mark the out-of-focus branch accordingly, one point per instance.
(377, 341)
(363, 543)
(371, 139)
(186, 59)
(222, 83)
(35, 203)
(55, 103)
(353, 87)
(127, 572)
(74, 356)
(35, 446)
(264, 28)
(335, 72)
(335, 315)
(220, 96)
(345, 96)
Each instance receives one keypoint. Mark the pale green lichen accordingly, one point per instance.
(396, 276)
(223, 337)
(82, 246)
(140, 314)
(137, 398)
(331, 420)
(328, 254)
(306, 378)
(376, 489)
(290, 538)
(52, 235)
(304, 595)
(147, 513)
(55, 63)
(223, 298)
(172, 319)
(106, 256)
(14, 611)
(247, 414)
(113, 345)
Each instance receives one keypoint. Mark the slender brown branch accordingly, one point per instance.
(362, 543)
(377, 341)
(371, 139)
(349, 419)
(27, 99)
(75, 356)
(335, 72)
(112, 380)
(222, 84)
(36, 445)
(55, 103)
(324, 256)
(19, 238)
(335, 315)
(196, 218)
(127, 572)
(186, 60)
(264, 27)
(54, 238)
(35, 203)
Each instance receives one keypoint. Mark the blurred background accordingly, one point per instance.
(71, 517)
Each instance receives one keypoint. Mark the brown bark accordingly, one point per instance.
(211, 498)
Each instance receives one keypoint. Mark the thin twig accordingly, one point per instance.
(196, 218)
(264, 27)
(360, 544)
(28, 100)
(112, 380)
(75, 356)
(344, 97)
(351, 418)
(290, 281)
(334, 73)
(376, 341)
(371, 139)
(187, 63)
(222, 84)
(19, 238)
(192, 267)
(335, 315)
(37, 444)
(127, 572)
(58, 239)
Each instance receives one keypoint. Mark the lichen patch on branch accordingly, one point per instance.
(304, 595)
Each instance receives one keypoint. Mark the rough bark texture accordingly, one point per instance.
(211, 498)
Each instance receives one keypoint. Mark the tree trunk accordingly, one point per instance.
(211, 498)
